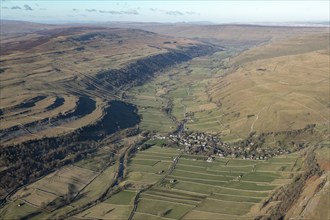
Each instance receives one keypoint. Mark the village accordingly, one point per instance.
(210, 145)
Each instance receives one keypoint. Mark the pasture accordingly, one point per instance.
(69, 179)
(224, 188)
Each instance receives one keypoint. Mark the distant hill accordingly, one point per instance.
(9, 27)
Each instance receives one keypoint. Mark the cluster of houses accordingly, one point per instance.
(210, 145)
(198, 142)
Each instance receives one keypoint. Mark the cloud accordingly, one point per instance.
(25, 7)
(156, 10)
(91, 10)
(16, 8)
(75, 10)
(174, 13)
(28, 8)
(4, 7)
(109, 12)
(129, 12)
(191, 13)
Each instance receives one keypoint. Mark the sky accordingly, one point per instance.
(229, 11)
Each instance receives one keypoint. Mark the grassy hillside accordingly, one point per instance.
(275, 91)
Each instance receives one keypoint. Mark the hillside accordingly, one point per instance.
(11, 28)
(62, 90)
(232, 35)
(281, 86)
(49, 72)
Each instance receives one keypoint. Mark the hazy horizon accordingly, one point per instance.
(166, 11)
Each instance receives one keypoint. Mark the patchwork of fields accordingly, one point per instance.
(195, 189)
(82, 182)
(150, 108)
(183, 90)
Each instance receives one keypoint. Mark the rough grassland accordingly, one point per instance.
(288, 92)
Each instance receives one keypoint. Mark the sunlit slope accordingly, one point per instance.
(275, 94)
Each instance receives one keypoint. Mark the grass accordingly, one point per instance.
(215, 189)
(90, 193)
(163, 208)
(58, 184)
(203, 215)
(143, 177)
(273, 167)
(262, 92)
(124, 197)
(143, 168)
(12, 211)
(134, 167)
(162, 150)
(170, 194)
(201, 163)
(238, 162)
(97, 161)
(261, 177)
(200, 175)
(55, 185)
(153, 156)
(204, 170)
(107, 211)
(145, 216)
(235, 192)
(195, 188)
(250, 186)
(236, 198)
(235, 169)
(147, 162)
(166, 198)
(225, 207)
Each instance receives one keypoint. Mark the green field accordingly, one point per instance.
(213, 189)
(225, 188)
